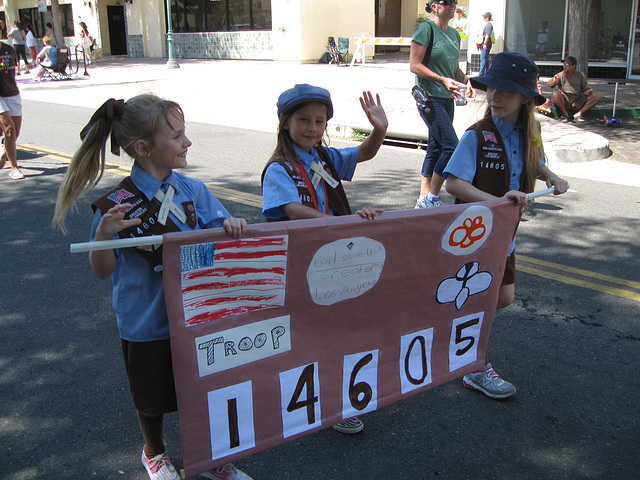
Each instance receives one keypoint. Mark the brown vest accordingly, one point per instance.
(146, 210)
(492, 164)
(336, 197)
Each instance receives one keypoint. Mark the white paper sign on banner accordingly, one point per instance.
(238, 346)
(345, 269)
(463, 344)
(415, 360)
(300, 399)
(231, 420)
(360, 383)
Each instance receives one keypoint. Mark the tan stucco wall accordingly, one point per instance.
(301, 27)
(153, 27)
(147, 19)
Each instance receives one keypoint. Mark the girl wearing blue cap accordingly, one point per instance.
(502, 156)
(303, 178)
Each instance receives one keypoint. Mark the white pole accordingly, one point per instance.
(121, 243)
(157, 239)
(540, 193)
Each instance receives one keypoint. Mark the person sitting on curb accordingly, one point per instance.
(573, 91)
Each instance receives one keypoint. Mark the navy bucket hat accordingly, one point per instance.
(511, 72)
(301, 94)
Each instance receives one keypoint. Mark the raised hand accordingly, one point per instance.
(374, 110)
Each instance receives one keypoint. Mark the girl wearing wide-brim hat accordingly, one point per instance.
(502, 156)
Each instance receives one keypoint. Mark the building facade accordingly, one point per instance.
(297, 30)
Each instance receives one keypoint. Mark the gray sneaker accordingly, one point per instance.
(424, 203)
(349, 426)
(489, 382)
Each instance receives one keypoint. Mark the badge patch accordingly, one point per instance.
(190, 210)
(120, 195)
(490, 136)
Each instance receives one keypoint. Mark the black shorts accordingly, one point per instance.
(150, 374)
(509, 277)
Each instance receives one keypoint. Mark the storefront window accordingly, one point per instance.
(635, 64)
(613, 32)
(220, 15)
(537, 29)
(39, 20)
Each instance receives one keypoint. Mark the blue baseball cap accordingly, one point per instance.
(301, 94)
(511, 72)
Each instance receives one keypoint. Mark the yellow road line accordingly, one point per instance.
(220, 192)
(582, 278)
(573, 276)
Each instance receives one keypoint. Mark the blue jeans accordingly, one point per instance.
(484, 60)
(438, 115)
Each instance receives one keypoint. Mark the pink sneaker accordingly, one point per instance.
(159, 467)
(226, 472)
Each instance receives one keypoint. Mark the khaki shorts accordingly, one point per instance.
(577, 103)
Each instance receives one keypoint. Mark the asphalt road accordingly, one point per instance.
(570, 342)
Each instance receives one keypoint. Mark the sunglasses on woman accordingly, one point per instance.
(446, 2)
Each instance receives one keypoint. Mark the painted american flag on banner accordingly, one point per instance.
(231, 277)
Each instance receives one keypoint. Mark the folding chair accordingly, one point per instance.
(334, 52)
(343, 49)
(59, 70)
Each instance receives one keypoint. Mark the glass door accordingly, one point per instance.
(635, 43)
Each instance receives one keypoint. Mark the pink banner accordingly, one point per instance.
(302, 324)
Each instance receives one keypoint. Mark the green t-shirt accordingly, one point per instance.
(445, 55)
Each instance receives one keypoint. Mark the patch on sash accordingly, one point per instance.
(120, 195)
(190, 210)
(489, 136)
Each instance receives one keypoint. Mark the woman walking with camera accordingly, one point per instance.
(434, 57)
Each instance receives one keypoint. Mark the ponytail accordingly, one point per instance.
(85, 169)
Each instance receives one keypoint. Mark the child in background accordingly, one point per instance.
(303, 178)
(545, 108)
(502, 156)
(152, 132)
(86, 41)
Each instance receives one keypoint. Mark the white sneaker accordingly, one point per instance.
(159, 467)
(424, 203)
(489, 382)
(226, 472)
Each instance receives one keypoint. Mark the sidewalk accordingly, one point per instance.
(243, 94)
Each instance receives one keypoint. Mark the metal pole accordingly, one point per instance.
(171, 63)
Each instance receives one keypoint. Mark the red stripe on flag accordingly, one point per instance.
(231, 272)
(232, 284)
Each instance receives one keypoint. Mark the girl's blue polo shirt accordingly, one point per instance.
(463, 162)
(138, 294)
(278, 188)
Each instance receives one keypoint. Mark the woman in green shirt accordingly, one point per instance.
(434, 59)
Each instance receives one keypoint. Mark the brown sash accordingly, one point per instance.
(147, 211)
(336, 197)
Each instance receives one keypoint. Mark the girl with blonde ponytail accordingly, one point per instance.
(150, 130)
